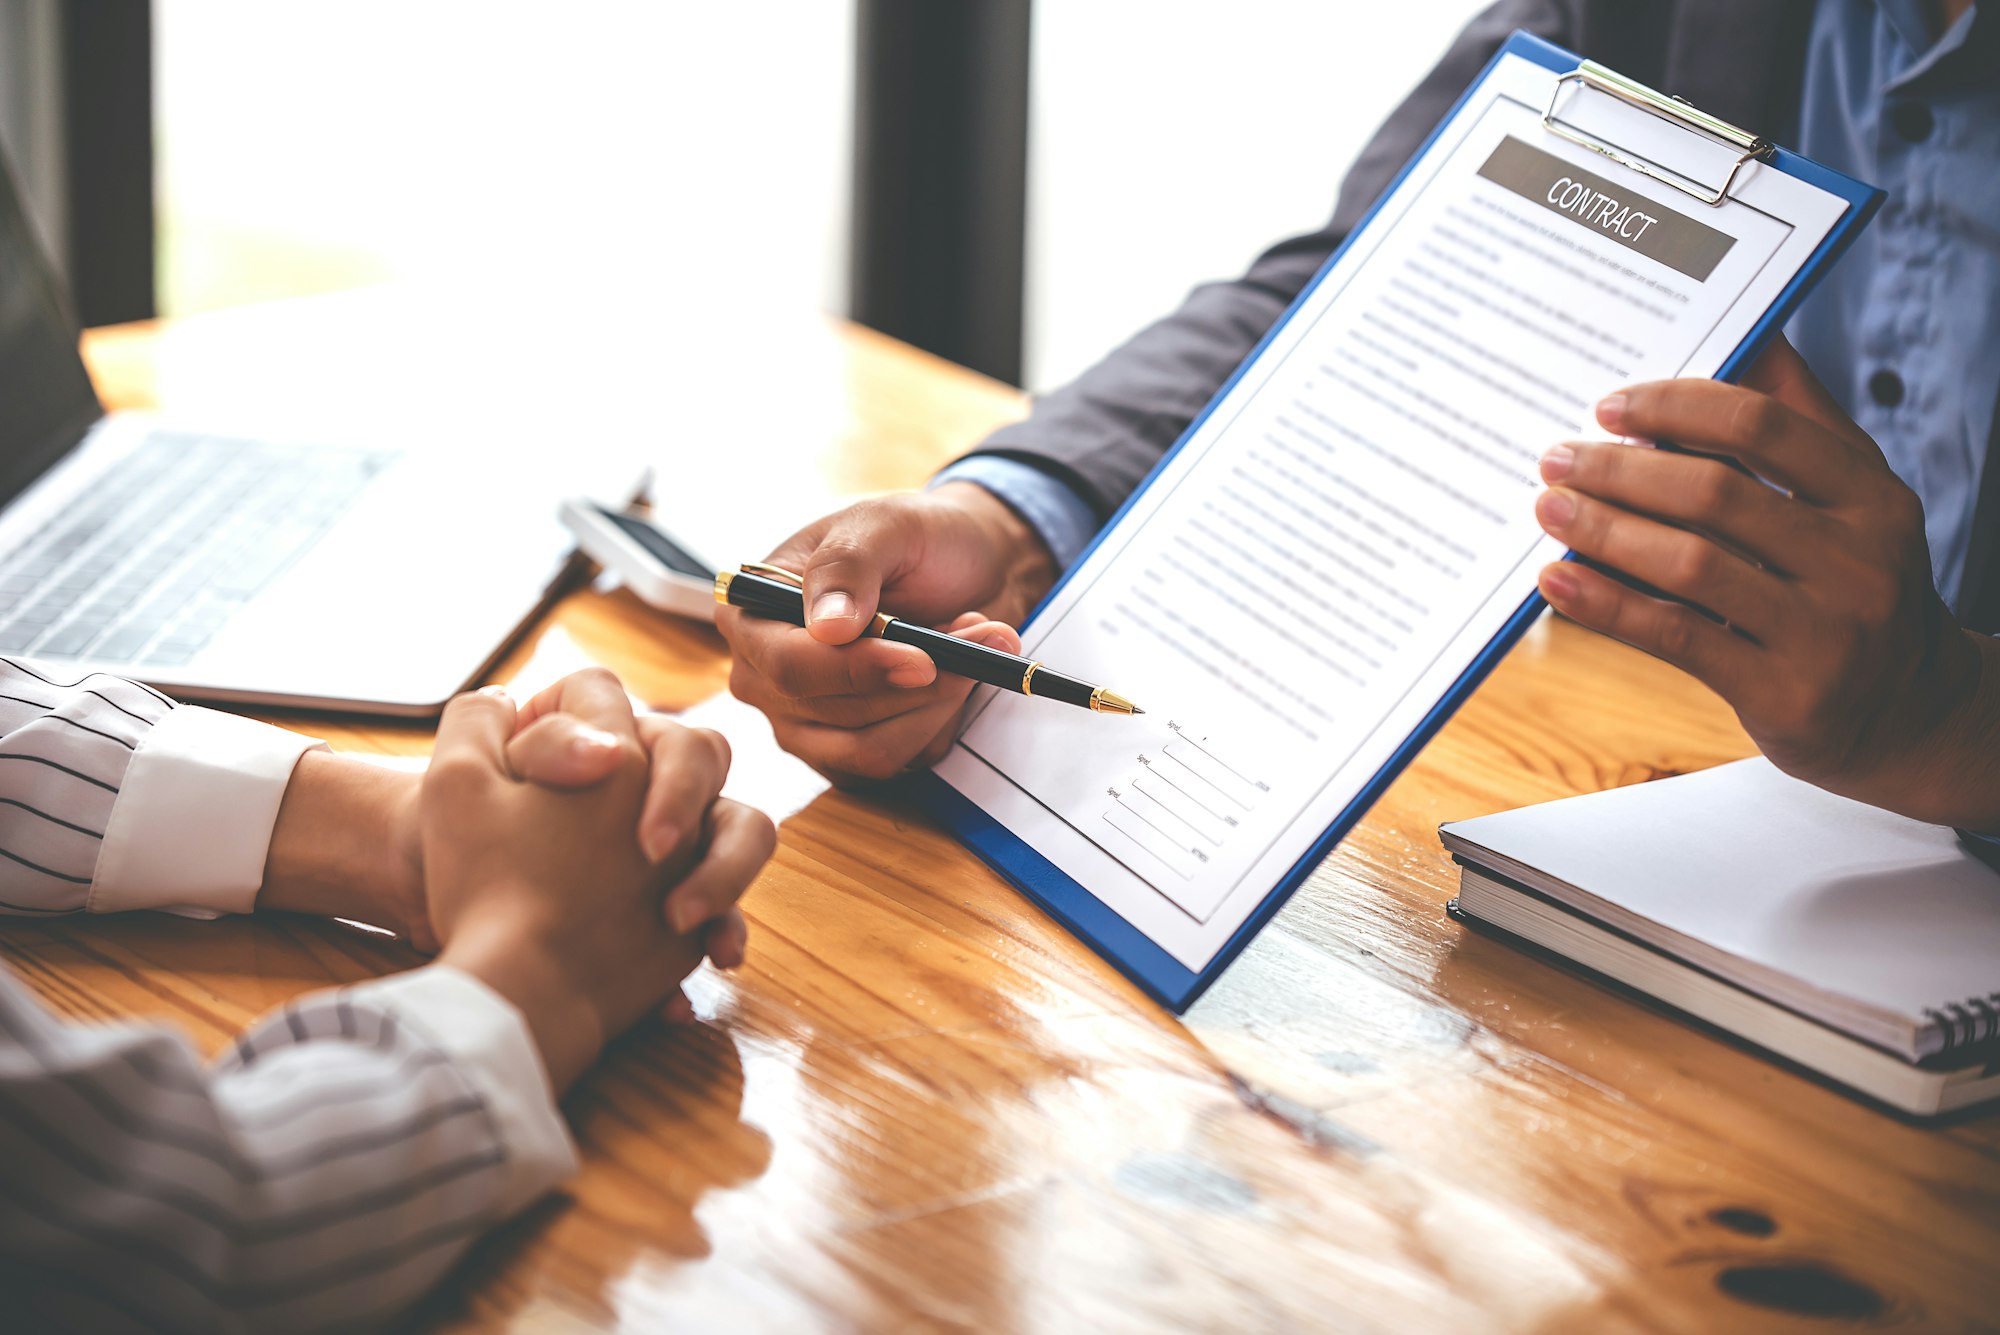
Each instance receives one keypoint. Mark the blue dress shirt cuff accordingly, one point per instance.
(1062, 519)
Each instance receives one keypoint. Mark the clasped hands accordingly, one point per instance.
(576, 858)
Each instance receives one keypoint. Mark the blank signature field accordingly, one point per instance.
(1184, 807)
(1163, 850)
(1238, 788)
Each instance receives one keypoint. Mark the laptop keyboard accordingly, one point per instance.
(150, 563)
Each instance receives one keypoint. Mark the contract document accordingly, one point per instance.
(1344, 542)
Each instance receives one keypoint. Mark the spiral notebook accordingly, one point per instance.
(1880, 928)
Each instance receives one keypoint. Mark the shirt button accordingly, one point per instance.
(1886, 388)
(1913, 121)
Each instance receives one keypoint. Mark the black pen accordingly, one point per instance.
(779, 595)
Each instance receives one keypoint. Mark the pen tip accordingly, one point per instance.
(1137, 710)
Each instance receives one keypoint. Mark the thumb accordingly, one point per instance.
(562, 751)
(844, 574)
(1780, 372)
(474, 729)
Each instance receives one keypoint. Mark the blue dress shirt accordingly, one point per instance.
(1906, 329)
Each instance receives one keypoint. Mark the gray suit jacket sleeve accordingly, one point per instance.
(1103, 432)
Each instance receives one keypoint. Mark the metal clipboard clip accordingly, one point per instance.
(1749, 147)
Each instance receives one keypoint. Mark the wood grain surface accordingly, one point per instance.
(922, 1106)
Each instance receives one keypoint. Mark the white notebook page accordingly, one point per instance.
(1354, 523)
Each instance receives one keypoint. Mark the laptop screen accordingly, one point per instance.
(46, 400)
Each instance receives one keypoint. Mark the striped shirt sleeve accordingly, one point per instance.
(327, 1169)
(320, 1176)
(113, 798)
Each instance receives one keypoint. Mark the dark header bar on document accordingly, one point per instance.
(1657, 232)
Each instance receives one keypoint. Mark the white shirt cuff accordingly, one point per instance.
(489, 1044)
(191, 827)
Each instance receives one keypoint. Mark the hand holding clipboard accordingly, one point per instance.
(1345, 541)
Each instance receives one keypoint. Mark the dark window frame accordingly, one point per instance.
(107, 93)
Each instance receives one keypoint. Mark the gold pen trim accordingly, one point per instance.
(1102, 701)
(779, 573)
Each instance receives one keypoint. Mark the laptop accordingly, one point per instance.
(279, 572)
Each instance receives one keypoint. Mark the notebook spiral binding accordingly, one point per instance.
(1967, 1023)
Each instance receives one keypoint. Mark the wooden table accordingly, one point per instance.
(922, 1106)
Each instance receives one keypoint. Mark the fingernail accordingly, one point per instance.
(1611, 411)
(999, 639)
(1557, 462)
(588, 740)
(658, 841)
(1558, 584)
(497, 691)
(909, 676)
(832, 607)
(683, 915)
(1555, 509)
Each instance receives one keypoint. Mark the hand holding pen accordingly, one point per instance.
(858, 707)
(777, 594)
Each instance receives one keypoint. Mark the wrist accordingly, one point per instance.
(1947, 767)
(1026, 567)
(345, 846)
(1965, 787)
(505, 953)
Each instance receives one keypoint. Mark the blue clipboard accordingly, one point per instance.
(1134, 954)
